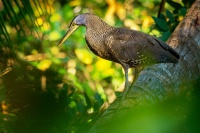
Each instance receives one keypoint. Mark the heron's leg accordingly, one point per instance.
(125, 89)
(136, 73)
(126, 85)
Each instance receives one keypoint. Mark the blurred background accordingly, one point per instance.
(45, 88)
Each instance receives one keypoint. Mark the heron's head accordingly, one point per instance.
(75, 23)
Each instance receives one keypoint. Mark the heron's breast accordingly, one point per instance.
(97, 45)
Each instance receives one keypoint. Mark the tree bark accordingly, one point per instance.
(159, 82)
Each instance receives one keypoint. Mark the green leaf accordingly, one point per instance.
(174, 4)
(165, 35)
(170, 16)
(162, 16)
(65, 86)
(88, 101)
(162, 24)
(98, 99)
(183, 11)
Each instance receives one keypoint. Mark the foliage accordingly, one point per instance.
(49, 89)
(166, 23)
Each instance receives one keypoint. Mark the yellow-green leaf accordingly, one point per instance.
(84, 55)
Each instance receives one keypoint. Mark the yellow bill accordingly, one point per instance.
(69, 32)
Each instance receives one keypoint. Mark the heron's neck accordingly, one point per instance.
(96, 25)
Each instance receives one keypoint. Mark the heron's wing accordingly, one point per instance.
(130, 46)
(126, 48)
(163, 45)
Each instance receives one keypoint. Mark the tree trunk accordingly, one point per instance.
(160, 82)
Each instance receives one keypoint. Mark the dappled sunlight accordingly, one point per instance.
(84, 55)
(44, 64)
(71, 66)
(54, 35)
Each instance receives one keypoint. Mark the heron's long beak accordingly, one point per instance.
(69, 32)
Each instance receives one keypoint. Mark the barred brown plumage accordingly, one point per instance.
(127, 47)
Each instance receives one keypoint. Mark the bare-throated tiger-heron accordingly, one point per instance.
(127, 47)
